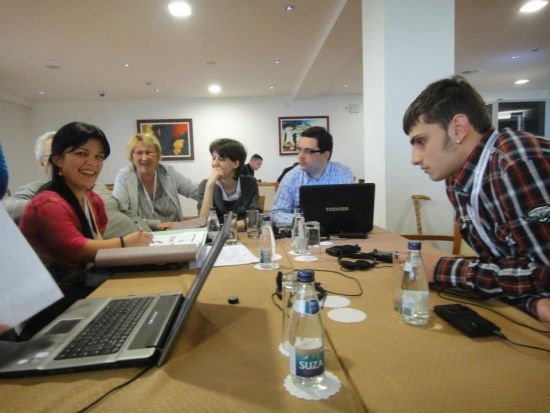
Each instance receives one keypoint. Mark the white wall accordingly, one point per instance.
(252, 121)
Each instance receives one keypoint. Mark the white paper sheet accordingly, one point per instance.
(229, 255)
(26, 286)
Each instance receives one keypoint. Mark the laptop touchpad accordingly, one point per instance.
(63, 327)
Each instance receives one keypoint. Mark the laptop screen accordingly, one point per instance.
(194, 291)
(339, 208)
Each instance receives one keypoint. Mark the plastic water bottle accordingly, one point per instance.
(299, 238)
(266, 245)
(306, 334)
(297, 212)
(414, 290)
(213, 224)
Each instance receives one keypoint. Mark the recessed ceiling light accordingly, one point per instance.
(41, 92)
(277, 62)
(521, 81)
(346, 85)
(126, 64)
(179, 9)
(289, 7)
(533, 6)
(272, 87)
(214, 89)
(157, 90)
(515, 57)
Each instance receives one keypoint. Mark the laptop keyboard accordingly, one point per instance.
(109, 330)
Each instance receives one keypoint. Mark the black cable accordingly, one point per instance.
(275, 302)
(502, 336)
(141, 373)
(347, 276)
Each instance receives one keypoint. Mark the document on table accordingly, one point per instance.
(229, 255)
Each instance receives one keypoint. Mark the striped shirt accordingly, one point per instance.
(514, 209)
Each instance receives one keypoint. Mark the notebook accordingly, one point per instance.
(168, 247)
(339, 208)
(63, 345)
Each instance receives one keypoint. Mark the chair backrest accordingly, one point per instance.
(110, 187)
(261, 200)
(459, 247)
(456, 239)
(268, 189)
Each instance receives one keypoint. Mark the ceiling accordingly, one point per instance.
(73, 50)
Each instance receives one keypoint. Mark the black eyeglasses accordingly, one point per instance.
(307, 151)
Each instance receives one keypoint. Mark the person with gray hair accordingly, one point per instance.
(121, 222)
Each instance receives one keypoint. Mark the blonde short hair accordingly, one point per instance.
(145, 138)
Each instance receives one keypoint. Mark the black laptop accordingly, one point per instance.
(339, 208)
(110, 332)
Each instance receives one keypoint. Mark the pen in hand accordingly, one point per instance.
(139, 227)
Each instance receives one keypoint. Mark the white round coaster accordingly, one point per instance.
(336, 301)
(283, 351)
(295, 253)
(258, 267)
(326, 243)
(277, 257)
(347, 315)
(328, 387)
(306, 258)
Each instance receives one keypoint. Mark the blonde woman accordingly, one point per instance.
(149, 187)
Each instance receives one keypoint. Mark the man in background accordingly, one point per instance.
(315, 168)
(498, 184)
(285, 171)
(253, 165)
(120, 222)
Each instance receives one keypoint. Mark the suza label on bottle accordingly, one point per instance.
(307, 362)
(306, 306)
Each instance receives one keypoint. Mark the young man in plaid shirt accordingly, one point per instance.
(499, 186)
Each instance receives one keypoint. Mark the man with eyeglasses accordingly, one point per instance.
(314, 168)
(121, 222)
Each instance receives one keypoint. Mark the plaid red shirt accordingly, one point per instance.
(514, 209)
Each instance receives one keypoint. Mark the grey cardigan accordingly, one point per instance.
(127, 186)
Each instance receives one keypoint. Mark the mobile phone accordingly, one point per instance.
(466, 320)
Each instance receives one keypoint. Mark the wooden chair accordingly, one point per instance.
(268, 190)
(261, 200)
(110, 187)
(456, 239)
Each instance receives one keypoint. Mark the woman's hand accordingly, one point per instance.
(138, 239)
(164, 226)
(215, 175)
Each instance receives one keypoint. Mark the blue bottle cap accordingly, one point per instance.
(414, 245)
(305, 276)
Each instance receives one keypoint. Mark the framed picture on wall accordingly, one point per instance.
(290, 129)
(175, 137)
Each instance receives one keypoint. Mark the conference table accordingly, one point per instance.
(227, 358)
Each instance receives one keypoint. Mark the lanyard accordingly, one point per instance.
(147, 197)
(90, 218)
(473, 207)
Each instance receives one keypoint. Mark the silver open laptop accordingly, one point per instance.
(85, 336)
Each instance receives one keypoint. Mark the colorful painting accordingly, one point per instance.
(290, 130)
(175, 137)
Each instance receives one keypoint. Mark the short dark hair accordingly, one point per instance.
(324, 139)
(256, 156)
(442, 100)
(232, 149)
(73, 135)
